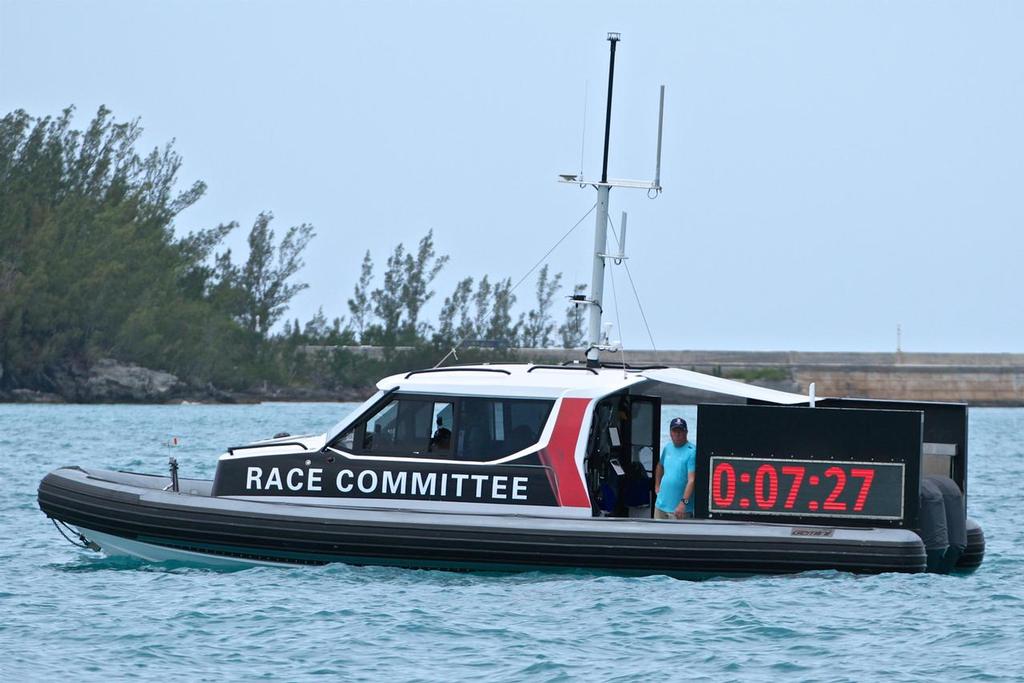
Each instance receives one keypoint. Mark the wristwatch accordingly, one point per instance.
(686, 501)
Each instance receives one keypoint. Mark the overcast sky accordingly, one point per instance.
(831, 169)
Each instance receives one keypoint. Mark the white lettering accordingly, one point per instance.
(420, 482)
(480, 479)
(252, 478)
(313, 479)
(459, 478)
(344, 488)
(294, 485)
(519, 488)
(444, 484)
(367, 474)
(499, 484)
(393, 483)
(274, 479)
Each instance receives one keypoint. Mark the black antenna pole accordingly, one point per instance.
(612, 38)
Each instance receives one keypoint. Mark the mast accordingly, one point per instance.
(601, 225)
(603, 187)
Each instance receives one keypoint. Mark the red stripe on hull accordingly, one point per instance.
(560, 454)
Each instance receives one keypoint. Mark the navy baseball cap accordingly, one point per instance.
(677, 423)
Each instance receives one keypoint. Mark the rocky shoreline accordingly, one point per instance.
(111, 381)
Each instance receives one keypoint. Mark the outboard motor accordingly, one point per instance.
(943, 523)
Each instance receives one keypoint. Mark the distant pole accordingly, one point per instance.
(601, 225)
(899, 339)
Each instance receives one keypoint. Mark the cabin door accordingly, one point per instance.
(644, 437)
(622, 455)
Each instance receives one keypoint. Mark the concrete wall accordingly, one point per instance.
(974, 378)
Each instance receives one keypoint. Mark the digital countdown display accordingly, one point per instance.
(806, 488)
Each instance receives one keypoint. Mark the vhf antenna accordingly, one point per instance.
(603, 187)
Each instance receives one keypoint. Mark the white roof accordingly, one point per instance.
(720, 385)
(523, 380)
(547, 381)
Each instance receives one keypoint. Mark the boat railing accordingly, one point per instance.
(422, 372)
(232, 449)
(560, 367)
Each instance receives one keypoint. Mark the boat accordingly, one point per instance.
(517, 467)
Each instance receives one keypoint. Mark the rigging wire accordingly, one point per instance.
(636, 296)
(618, 320)
(543, 258)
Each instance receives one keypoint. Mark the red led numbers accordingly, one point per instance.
(832, 502)
(723, 471)
(866, 476)
(766, 487)
(797, 472)
(806, 487)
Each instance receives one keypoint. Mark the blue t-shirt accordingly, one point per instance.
(677, 463)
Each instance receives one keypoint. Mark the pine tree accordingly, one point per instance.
(572, 329)
(537, 325)
(360, 305)
(387, 300)
(420, 271)
(264, 281)
(455, 322)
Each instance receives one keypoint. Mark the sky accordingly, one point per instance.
(831, 170)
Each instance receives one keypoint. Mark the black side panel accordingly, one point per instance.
(809, 465)
(324, 475)
(943, 423)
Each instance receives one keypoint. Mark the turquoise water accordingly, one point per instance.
(69, 613)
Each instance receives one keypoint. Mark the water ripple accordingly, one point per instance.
(69, 613)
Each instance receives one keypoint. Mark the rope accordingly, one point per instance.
(543, 258)
(83, 539)
(636, 296)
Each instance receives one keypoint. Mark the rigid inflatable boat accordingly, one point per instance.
(512, 467)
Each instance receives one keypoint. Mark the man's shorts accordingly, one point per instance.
(661, 514)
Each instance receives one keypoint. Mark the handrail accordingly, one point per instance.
(561, 367)
(627, 366)
(457, 369)
(232, 449)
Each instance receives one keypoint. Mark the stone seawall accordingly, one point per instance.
(993, 379)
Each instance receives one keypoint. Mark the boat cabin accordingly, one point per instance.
(550, 440)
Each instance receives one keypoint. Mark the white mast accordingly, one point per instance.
(604, 186)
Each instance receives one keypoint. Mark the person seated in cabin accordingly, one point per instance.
(674, 476)
(442, 438)
(521, 437)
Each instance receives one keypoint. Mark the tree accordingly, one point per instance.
(537, 326)
(482, 304)
(454, 322)
(387, 300)
(360, 305)
(420, 272)
(88, 255)
(499, 326)
(572, 329)
(264, 281)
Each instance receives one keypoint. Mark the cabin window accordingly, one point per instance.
(409, 426)
(477, 429)
(490, 428)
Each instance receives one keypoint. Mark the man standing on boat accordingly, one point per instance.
(674, 477)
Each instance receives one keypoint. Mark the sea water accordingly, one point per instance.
(68, 613)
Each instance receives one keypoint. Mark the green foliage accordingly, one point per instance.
(756, 374)
(571, 330)
(537, 325)
(91, 266)
(360, 305)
